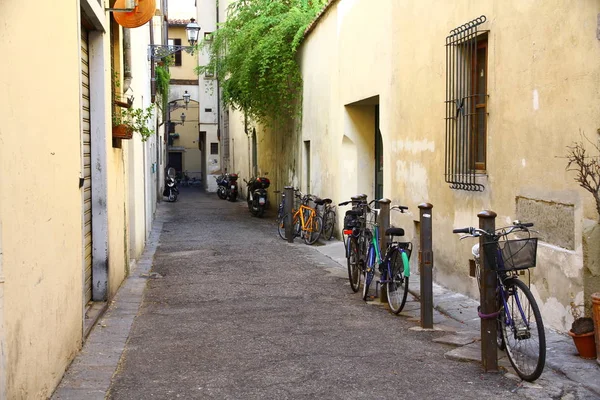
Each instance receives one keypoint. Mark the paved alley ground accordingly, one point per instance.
(231, 311)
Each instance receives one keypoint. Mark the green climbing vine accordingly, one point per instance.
(163, 79)
(254, 55)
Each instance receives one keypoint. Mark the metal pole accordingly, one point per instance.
(287, 211)
(426, 266)
(383, 220)
(489, 308)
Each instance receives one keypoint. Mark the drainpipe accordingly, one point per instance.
(226, 167)
(126, 59)
(153, 100)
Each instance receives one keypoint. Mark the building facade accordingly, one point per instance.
(65, 201)
(467, 106)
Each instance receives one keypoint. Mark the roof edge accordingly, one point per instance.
(318, 18)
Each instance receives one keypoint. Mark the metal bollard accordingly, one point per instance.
(426, 266)
(287, 211)
(489, 308)
(384, 223)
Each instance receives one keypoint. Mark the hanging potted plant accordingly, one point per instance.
(582, 332)
(126, 121)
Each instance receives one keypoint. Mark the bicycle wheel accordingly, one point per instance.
(281, 227)
(397, 285)
(353, 264)
(313, 232)
(328, 225)
(523, 331)
(369, 271)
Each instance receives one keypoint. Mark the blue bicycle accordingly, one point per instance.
(394, 267)
(521, 330)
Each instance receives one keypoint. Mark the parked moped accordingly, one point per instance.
(171, 190)
(257, 195)
(227, 186)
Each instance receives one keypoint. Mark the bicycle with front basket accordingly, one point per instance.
(519, 320)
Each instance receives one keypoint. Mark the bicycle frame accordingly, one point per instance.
(306, 224)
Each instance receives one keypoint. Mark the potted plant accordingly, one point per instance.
(582, 332)
(129, 120)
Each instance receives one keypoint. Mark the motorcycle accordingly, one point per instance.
(257, 195)
(227, 186)
(171, 190)
(232, 187)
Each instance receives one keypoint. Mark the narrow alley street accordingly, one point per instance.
(231, 311)
(239, 313)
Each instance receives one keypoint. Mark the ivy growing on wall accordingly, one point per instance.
(254, 55)
(163, 79)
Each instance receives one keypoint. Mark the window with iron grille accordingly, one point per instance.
(214, 148)
(466, 105)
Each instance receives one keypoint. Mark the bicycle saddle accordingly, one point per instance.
(319, 201)
(394, 232)
(327, 201)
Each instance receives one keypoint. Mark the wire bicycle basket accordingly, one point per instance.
(509, 255)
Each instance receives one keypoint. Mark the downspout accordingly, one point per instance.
(126, 60)
(223, 167)
(153, 99)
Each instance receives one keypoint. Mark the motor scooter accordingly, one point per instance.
(257, 195)
(171, 190)
(227, 186)
(232, 187)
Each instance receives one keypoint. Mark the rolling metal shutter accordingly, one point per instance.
(87, 170)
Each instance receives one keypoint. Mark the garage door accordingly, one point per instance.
(87, 171)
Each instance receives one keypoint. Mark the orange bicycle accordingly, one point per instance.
(305, 221)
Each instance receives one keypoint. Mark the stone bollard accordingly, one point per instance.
(426, 266)
(288, 206)
(489, 309)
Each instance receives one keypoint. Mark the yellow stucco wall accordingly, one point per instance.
(537, 106)
(188, 61)
(41, 222)
(40, 202)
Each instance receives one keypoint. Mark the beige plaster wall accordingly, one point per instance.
(40, 202)
(188, 61)
(537, 106)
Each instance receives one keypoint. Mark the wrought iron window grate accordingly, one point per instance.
(465, 116)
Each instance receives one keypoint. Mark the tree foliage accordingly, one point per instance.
(254, 55)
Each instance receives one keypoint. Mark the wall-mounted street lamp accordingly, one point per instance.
(186, 99)
(182, 120)
(158, 51)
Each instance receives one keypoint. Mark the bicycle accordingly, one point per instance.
(329, 216)
(281, 215)
(356, 240)
(305, 221)
(394, 267)
(521, 330)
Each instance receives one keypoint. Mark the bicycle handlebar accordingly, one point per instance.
(517, 225)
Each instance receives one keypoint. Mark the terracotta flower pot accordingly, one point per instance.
(586, 345)
(122, 131)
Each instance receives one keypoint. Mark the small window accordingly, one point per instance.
(176, 56)
(214, 148)
(208, 36)
(208, 110)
